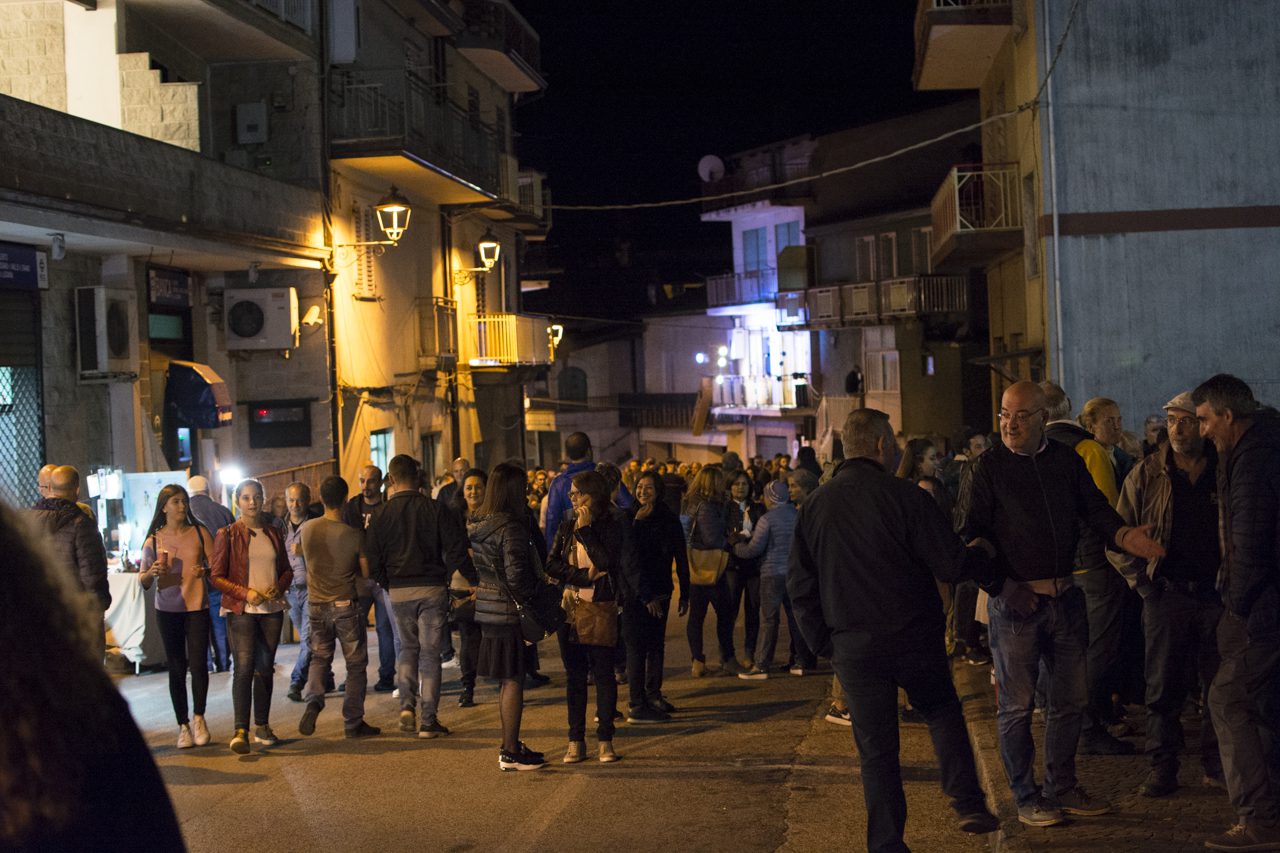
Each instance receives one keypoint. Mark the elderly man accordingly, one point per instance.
(1243, 698)
(297, 498)
(214, 516)
(74, 537)
(1173, 489)
(1027, 496)
(868, 551)
(449, 490)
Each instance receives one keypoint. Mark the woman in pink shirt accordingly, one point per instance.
(175, 558)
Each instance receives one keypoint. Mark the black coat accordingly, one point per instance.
(1249, 509)
(659, 539)
(75, 541)
(755, 510)
(610, 546)
(505, 561)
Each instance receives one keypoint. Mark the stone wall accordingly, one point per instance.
(167, 112)
(32, 53)
(291, 92)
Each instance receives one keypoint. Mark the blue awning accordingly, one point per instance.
(196, 396)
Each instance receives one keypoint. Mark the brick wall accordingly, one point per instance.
(32, 53)
(291, 92)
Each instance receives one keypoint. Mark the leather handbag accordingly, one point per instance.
(706, 565)
(541, 615)
(596, 622)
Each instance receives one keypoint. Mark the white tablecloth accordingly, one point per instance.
(131, 619)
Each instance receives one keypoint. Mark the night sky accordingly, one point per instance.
(638, 92)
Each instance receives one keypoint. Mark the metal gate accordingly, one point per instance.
(21, 399)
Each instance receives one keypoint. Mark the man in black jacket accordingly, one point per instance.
(74, 537)
(1027, 496)
(867, 553)
(413, 544)
(1243, 697)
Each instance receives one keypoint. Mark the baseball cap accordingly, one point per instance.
(1182, 402)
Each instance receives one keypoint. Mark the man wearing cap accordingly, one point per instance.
(213, 516)
(771, 542)
(1174, 490)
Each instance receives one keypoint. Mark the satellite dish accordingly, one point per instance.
(710, 169)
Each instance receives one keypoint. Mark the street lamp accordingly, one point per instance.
(393, 215)
(487, 250)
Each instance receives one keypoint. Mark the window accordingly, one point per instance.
(366, 227)
(887, 256)
(382, 446)
(786, 234)
(431, 453)
(865, 259)
(880, 357)
(754, 250)
(921, 262)
(572, 384)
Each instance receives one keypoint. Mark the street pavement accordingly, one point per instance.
(744, 766)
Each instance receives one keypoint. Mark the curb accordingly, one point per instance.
(973, 683)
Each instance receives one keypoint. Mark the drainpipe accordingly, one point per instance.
(335, 394)
(1053, 201)
(451, 383)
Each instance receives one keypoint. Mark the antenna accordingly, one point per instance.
(710, 169)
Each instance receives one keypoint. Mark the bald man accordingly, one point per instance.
(44, 479)
(1027, 496)
(460, 467)
(72, 535)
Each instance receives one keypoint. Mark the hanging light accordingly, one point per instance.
(489, 249)
(393, 215)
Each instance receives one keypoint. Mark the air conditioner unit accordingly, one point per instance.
(265, 318)
(106, 333)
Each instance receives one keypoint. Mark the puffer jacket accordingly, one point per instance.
(709, 525)
(771, 541)
(505, 560)
(75, 540)
(609, 543)
(1249, 518)
(229, 565)
(1091, 554)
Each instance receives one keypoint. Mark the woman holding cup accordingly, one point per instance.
(175, 558)
(252, 570)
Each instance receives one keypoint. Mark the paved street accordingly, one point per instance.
(745, 766)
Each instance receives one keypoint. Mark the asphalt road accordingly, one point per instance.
(744, 766)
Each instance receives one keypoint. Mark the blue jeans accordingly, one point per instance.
(1057, 633)
(300, 617)
(423, 625)
(387, 628)
(331, 624)
(773, 597)
(219, 647)
(254, 637)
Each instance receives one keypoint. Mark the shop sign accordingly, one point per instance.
(23, 267)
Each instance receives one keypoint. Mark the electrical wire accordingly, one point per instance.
(1032, 104)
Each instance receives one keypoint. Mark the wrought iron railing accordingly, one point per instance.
(656, 411)
(981, 197)
(509, 339)
(300, 13)
(374, 109)
(497, 22)
(742, 288)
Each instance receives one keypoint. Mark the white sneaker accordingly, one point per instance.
(185, 740)
(200, 731)
(395, 694)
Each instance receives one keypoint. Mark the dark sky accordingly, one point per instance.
(639, 91)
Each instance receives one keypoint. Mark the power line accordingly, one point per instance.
(1021, 108)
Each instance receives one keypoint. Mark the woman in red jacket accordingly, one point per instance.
(251, 569)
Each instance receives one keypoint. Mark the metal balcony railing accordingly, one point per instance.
(761, 392)
(742, 288)
(860, 302)
(502, 340)
(535, 197)
(750, 179)
(376, 110)
(497, 22)
(981, 197)
(656, 411)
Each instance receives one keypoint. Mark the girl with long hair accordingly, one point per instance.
(251, 569)
(466, 503)
(175, 557)
(708, 514)
(744, 574)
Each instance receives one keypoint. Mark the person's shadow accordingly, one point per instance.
(206, 776)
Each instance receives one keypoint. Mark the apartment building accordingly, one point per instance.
(1125, 227)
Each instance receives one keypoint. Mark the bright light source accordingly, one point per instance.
(489, 250)
(723, 351)
(700, 357)
(393, 214)
(230, 476)
(719, 380)
(722, 362)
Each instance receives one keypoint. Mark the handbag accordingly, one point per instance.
(541, 615)
(706, 565)
(596, 622)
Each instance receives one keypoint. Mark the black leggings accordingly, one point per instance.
(186, 646)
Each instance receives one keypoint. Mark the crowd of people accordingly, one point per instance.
(1092, 569)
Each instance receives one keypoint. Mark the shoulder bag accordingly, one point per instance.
(706, 565)
(541, 615)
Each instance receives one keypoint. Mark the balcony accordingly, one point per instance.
(400, 128)
(499, 42)
(745, 180)
(977, 216)
(656, 411)
(526, 200)
(509, 340)
(957, 41)
(742, 288)
(921, 295)
(437, 333)
(765, 395)
(237, 30)
(844, 305)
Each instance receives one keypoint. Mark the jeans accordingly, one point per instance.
(1181, 644)
(387, 628)
(468, 651)
(871, 669)
(186, 645)
(219, 647)
(578, 660)
(1241, 701)
(1057, 633)
(646, 651)
(773, 596)
(254, 637)
(1104, 592)
(717, 597)
(744, 592)
(300, 616)
(423, 623)
(331, 624)
(962, 627)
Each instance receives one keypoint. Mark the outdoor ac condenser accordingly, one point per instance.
(261, 318)
(106, 333)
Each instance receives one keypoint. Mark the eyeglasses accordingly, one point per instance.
(1187, 422)
(1018, 417)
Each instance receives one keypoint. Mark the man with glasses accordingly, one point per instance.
(1027, 496)
(1173, 489)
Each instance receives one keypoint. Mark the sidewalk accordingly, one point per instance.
(1176, 824)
